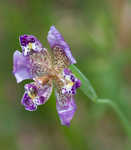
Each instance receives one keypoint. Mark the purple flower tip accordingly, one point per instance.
(66, 113)
(78, 83)
(29, 44)
(26, 39)
(56, 39)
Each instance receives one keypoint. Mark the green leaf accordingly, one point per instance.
(86, 86)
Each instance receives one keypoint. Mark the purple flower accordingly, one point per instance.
(36, 63)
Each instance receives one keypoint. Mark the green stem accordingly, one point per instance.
(123, 119)
(89, 91)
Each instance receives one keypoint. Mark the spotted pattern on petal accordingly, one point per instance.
(61, 98)
(66, 86)
(41, 63)
(60, 60)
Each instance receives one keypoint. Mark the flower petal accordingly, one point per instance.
(21, 67)
(41, 63)
(67, 82)
(28, 103)
(60, 48)
(44, 92)
(35, 95)
(29, 44)
(65, 90)
(66, 108)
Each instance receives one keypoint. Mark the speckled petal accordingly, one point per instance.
(66, 109)
(21, 67)
(29, 44)
(71, 83)
(44, 92)
(57, 42)
(65, 91)
(28, 103)
(35, 95)
(41, 63)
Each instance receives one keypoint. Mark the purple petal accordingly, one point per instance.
(30, 43)
(78, 83)
(28, 103)
(35, 95)
(21, 67)
(67, 111)
(40, 100)
(67, 71)
(71, 82)
(55, 39)
(44, 93)
(31, 87)
(66, 107)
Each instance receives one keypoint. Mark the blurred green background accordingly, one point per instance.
(99, 33)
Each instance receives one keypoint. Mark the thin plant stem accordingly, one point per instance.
(89, 91)
(115, 107)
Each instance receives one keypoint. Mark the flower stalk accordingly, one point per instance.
(89, 91)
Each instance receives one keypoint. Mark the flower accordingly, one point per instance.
(46, 71)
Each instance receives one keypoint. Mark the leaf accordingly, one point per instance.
(86, 86)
